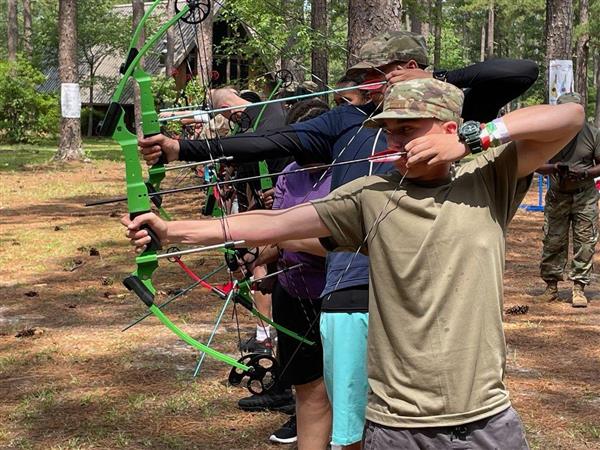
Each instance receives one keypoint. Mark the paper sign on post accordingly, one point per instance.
(560, 79)
(70, 100)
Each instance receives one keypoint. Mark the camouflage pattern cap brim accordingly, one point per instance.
(389, 47)
(363, 66)
(422, 98)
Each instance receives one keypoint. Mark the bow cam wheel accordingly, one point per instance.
(237, 375)
(197, 13)
(262, 376)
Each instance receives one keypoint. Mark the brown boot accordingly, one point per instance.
(579, 299)
(550, 294)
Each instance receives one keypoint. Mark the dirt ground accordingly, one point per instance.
(70, 379)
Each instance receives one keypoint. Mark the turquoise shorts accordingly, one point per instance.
(344, 337)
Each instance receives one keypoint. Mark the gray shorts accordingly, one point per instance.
(504, 431)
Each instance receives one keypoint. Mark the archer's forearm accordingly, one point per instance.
(492, 84)
(540, 132)
(256, 228)
(545, 124)
(246, 147)
(267, 254)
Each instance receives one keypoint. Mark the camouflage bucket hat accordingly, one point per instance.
(569, 97)
(421, 98)
(389, 47)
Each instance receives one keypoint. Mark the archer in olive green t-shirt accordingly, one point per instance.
(436, 351)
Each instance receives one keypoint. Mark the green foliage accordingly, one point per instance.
(195, 92)
(100, 31)
(25, 114)
(453, 51)
(166, 95)
(276, 33)
(164, 91)
(269, 28)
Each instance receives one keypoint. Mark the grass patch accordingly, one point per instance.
(587, 431)
(14, 157)
(34, 405)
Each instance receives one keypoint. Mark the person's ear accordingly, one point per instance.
(412, 64)
(450, 127)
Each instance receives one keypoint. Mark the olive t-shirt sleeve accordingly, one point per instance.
(341, 212)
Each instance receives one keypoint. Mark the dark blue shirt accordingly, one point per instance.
(338, 136)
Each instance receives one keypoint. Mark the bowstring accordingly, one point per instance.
(201, 46)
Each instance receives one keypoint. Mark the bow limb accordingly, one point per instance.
(194, 343)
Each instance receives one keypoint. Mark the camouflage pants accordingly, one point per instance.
(578, 212)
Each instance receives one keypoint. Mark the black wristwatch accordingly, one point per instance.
(468, 133)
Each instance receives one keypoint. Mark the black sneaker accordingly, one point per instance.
(252, 345)
(272, 401)
(286, 434)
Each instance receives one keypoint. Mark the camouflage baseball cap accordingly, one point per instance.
(569, 97)
(421, 98)
(389, 47)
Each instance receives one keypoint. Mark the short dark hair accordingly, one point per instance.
(353, 80)
(306, 110)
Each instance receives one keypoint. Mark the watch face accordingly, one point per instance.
(470, 128)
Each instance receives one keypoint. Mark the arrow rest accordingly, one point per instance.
(236, 258)
(198, 10)
(262, 377)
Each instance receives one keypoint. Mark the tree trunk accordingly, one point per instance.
(69, 147)
(27, 33)
(416, 24)
(369, 18)
(319, 56)
(12, 30)
(137, 8)
(583, 50)
(426, 24)
(489, 48)
(482, 44)
(597, 110)
(437, 48)
(170, 56)
(419, 17)
(289, 60)
(559, 25)
(204, 46)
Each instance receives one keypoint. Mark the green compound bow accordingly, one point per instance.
(138, 200)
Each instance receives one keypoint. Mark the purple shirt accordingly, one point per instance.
(291, 190)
